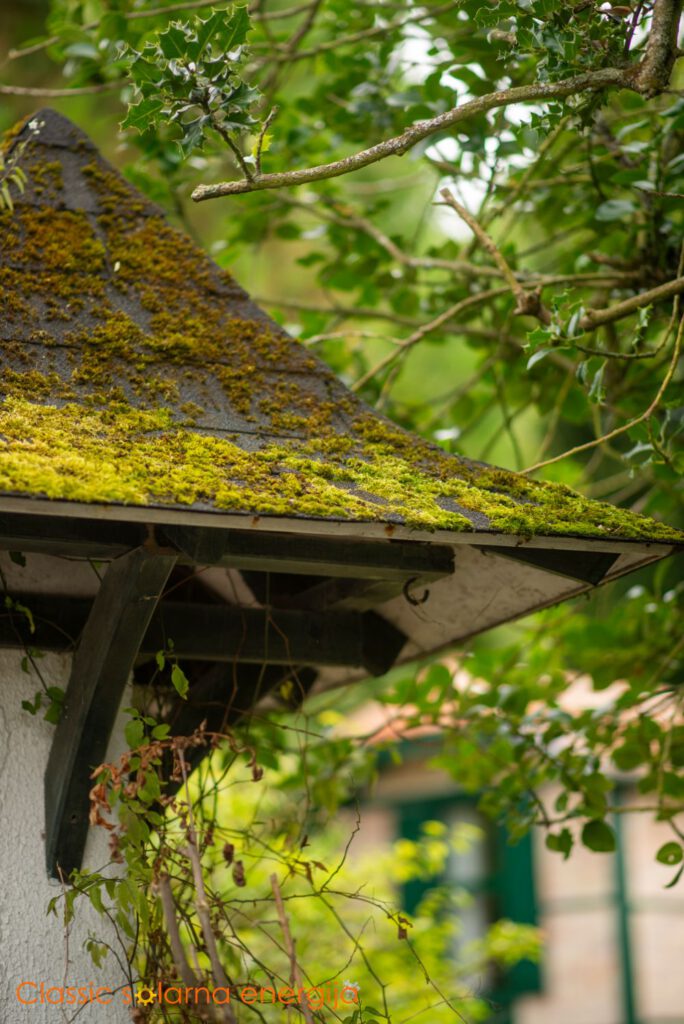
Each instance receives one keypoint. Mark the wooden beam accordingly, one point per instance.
(75, 538)
(225, 633)
(107, 649)
(275, 637)
(312, 555)
(355, 595)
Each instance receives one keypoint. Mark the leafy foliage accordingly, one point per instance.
(190, 76)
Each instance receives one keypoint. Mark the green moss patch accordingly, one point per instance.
(123, 454)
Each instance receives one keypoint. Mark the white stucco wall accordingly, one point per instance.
(32, 945)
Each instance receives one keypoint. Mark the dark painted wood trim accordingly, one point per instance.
(102, 663)
(312, 555)
(207, 632)
(585, 566)
(74, 538)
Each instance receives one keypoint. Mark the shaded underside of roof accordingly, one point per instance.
(135, 371)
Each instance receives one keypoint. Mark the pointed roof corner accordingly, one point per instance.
(47, 127)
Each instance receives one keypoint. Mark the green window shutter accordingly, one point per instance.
(516, 900)
(410, 817)
(510, 885)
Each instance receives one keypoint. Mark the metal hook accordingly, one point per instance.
(414, 600)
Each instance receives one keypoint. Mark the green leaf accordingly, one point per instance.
(180, 681)
(208, 27)
(598, 836)
(560, 842)
(235, 29)
(597, 391)
(134, 733)
(537, 357)
(615, 209)
(535, 338)
(173, 42)
(670, 853)
(143, 115)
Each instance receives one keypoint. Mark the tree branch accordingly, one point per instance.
(185, 971)
(295, 974)
(661, 49)
(594, 318)
(422, 332)
(519, 293)
(83, 90)
(590, 82)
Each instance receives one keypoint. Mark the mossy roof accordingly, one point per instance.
(136, 371)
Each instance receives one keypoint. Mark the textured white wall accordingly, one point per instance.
(32, 946)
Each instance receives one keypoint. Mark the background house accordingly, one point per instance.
(612, 932)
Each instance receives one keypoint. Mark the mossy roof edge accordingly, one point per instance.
(122, 387)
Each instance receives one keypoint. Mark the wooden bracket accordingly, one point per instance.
(102, 663)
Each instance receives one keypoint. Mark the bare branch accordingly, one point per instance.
(83, 90)
(295, 974)
(592, 81)
(594, 318)
(185, 971)
(433, 325)
(490, 246)
(363, 34)
(262, 135)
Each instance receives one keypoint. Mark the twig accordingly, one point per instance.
(260, 141)
(185, 971)
(202, 907)
(433, 325)
(636, 17)
(201, 901)
(591, 81)
(229, 141)
(295, 976)
(83, 90)
(522, 298)
(632, 423)
(368, 33)
(271, 82)
(519, 188)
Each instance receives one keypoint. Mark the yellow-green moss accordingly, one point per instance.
(46, 177)
(142, 457)
(56, 240)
